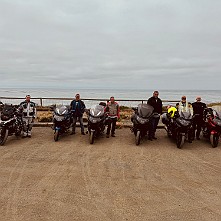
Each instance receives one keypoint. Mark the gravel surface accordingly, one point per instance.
(111, 180)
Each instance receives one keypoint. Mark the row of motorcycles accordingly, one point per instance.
(11, 122)
(97, 120)
(179, 126)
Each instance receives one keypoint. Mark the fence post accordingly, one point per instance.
(41, 102)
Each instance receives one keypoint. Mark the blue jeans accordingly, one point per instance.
(153, 126)
(75, 119)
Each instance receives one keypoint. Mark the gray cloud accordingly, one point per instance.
(118, 43)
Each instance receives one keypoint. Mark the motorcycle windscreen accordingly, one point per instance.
(97, 111)
(186, 115)
(61, 110)
(145, 110)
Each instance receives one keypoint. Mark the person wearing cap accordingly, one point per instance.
(28, 110)
(77, 108)
(156, 103)
(113, 113)
(184, 106)
(198, 109)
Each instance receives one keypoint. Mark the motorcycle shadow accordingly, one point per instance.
(13, 140)
(194, 145)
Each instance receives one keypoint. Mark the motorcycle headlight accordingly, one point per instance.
(141, 120)
(94, 120)
(59, 118)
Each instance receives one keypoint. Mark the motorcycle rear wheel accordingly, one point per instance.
(138, 137)
(3, 136)
(214, 140)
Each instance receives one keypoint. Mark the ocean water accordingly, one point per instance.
(208, 96)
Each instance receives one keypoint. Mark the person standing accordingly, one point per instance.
(113, 112)
(156, 103)
(77, 108)
(198, 109)
(28, 110)
(184, 106)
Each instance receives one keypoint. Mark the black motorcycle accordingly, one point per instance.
(179, 127)
(96, 121)
(11, 122)
(141, 121)
(61, 121)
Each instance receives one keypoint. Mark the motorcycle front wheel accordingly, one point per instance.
(180, 140)
(3, 136)
(91, 137)
(56, 135)
(214, 140)
(138, 137)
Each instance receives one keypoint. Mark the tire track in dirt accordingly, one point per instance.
(13, 202)
(90, 184)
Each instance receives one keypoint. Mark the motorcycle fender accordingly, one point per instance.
(213, 132)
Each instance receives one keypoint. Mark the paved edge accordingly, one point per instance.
(49, 124)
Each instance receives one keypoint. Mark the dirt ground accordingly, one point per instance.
(111, 180)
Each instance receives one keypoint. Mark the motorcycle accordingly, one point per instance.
(212, 129)
(179, 127)
(141, 121)
(61, 121)
(96, 121)
(11, 123)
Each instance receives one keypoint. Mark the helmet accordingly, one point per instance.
(172, 111)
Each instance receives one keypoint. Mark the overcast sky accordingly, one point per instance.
(152, 44)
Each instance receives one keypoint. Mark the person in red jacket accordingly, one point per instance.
(113, 112)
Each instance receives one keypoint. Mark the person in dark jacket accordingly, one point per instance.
(198, 108)
(77, 108)
(156, 103)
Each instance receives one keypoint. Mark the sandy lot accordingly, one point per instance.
(110, 180)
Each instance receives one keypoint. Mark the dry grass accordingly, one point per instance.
(44, 116)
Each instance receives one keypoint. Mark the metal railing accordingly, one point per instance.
(47, 101)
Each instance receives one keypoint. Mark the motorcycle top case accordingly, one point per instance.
(7, 112)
